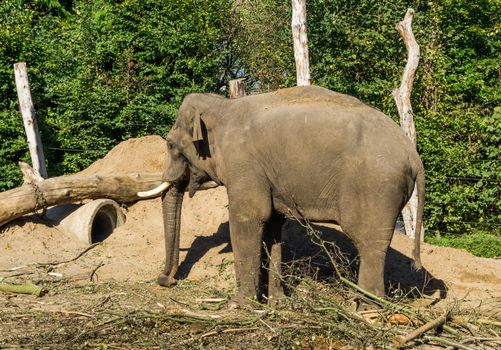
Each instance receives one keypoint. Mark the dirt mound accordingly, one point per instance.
(135, 251)
(144, 154)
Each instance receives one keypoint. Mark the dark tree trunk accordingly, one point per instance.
(172, 202)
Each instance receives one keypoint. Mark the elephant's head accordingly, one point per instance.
(191, 164)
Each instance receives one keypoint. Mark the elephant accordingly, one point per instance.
(302, 151)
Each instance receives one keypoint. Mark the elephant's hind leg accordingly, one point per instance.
(273, 244)
(372, 260)
(372, 242)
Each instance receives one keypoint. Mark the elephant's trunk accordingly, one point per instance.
(172, 202)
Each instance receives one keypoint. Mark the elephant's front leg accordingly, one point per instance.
(248, 217)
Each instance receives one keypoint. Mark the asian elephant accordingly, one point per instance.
(304, 151)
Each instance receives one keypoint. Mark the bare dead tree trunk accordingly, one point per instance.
(402, 96)
(29, 120)
(300, 42)
(237, 88)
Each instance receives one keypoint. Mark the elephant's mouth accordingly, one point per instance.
(164, 186)
(198, 180)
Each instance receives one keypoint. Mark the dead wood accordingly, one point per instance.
(93, 272)
(489, 322)
(448, 342)
(237, 88)
(30, 122)
(300, 40)
(38, 194)
(402, 340)
(27, 288)
(402, 96)
(69, 260)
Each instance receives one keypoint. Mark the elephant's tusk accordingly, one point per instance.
(157, 190)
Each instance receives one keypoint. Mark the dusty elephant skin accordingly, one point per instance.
(301, 151)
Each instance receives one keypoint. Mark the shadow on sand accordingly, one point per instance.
(297, 245)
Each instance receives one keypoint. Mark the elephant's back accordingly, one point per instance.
(300, 95)
(307, 128)
(316, 94)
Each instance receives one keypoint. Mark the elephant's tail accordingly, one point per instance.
(419, 217)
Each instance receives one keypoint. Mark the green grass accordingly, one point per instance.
(480, 244)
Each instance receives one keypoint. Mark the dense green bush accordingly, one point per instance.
(106, 70)
(262, 44)
(480, 244)
(459, 123)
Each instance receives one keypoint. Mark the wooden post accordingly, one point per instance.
(237, 88)
(402, 96)
(300, 39)
(29, 120)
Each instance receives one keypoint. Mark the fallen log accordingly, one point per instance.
(37, 194)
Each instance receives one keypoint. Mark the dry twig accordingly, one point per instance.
(70, 260)
(229, 330)
(93, 272)
(380, 301)
(447, 342)
(489, 322)
(402, 340)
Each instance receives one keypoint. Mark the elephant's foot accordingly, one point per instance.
(275, 301)
(240, 301)
(371, 271)
(276, 295)
(166, 281)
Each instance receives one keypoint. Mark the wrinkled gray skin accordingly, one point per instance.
(303, 151)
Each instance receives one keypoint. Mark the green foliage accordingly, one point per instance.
(479, 244)
(104, 71)
(355, 49)
(458, 118)
(11, 129)
(262, 44)
(463, 171)
(16, 23)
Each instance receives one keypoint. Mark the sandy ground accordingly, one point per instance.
(135, 251)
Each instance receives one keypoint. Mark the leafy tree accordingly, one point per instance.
(104, 71)
(262, 44)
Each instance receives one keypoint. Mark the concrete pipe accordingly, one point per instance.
(91, 222)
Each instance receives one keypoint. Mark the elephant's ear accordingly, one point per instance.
(197, 127)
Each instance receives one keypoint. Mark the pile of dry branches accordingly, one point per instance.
(316, 314)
